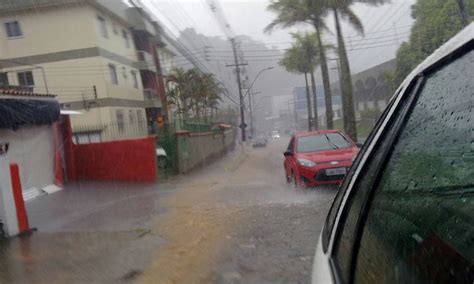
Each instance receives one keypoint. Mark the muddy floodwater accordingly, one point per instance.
(233, 221)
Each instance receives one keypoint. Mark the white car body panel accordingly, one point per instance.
(160, 152)
(321, 268)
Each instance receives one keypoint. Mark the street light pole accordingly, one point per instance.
(252, 128)
(251, 115)
(255, 79)
(248, 93)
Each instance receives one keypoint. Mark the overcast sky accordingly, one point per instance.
(386, 26)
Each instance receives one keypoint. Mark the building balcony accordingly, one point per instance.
(12, 6)
(140, 21)
(145, 61)
(150, 94)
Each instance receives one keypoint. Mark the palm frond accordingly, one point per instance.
(347, 13)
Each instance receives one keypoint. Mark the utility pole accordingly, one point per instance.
(293, 102)
(463, 13)
(241, 97)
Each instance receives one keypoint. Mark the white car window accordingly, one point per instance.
(420, 226)
(348, 225)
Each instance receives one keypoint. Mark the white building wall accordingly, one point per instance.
(31, 148)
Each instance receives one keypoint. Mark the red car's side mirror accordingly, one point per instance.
(288, 153)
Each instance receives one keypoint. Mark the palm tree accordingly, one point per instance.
(295, 60)
(293, 12)
(341, 9)
(210, 93)
(196, 93)
(179, 95)
(308, 44)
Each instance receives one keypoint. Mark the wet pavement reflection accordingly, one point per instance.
(235, 221)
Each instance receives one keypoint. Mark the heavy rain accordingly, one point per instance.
(236, 141)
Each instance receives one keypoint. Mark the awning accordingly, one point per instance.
(16, 112)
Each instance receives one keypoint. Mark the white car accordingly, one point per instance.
(161, 157)
(405, 212)
(275, 135)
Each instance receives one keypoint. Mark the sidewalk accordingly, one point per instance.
(104, 206)
(90, 232)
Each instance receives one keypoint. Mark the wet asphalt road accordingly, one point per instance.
(235, 221)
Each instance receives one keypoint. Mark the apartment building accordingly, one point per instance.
(147, 40)
(84, 52)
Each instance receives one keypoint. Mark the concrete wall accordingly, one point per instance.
(197, 149)
(62, 29)
(103, 121)
(31, 147)
(48, 31)
(74, 79)
(74, 57)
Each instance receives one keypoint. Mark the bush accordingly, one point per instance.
(371, 113)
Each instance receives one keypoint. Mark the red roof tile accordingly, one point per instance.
(23, 93)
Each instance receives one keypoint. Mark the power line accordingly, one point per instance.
(189, 55)
(393, 29)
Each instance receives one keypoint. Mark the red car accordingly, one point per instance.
(319, 157)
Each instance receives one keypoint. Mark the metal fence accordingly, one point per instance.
(95, 133)
(197, 127)
(166, 139)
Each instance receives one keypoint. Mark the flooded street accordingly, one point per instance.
(169, 142)
(234, 221)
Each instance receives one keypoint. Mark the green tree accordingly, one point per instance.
(341, 10)
(197, 94)
(209, 96)
(179, 96)
(295, 60)
(308, 43)
(292, 12)
(436, 21)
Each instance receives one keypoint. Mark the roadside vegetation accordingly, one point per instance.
(436, 21)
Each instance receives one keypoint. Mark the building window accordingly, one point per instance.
(120, 120)
(113, 74)
(4, 79)
(115, 29)
(131, 117)
(124, 72)
(87, 137)
(102, 27)
(126, 38)
(135, 79)
(26, 79)
(141, 122)
(13, 29)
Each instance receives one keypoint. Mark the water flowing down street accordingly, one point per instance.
(234, 221)
(240, 221)
(213, 141)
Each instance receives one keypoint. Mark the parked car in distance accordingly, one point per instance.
(260, 142)
(275, 135)
(319, 157)
(161, 157)
(405, 212)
